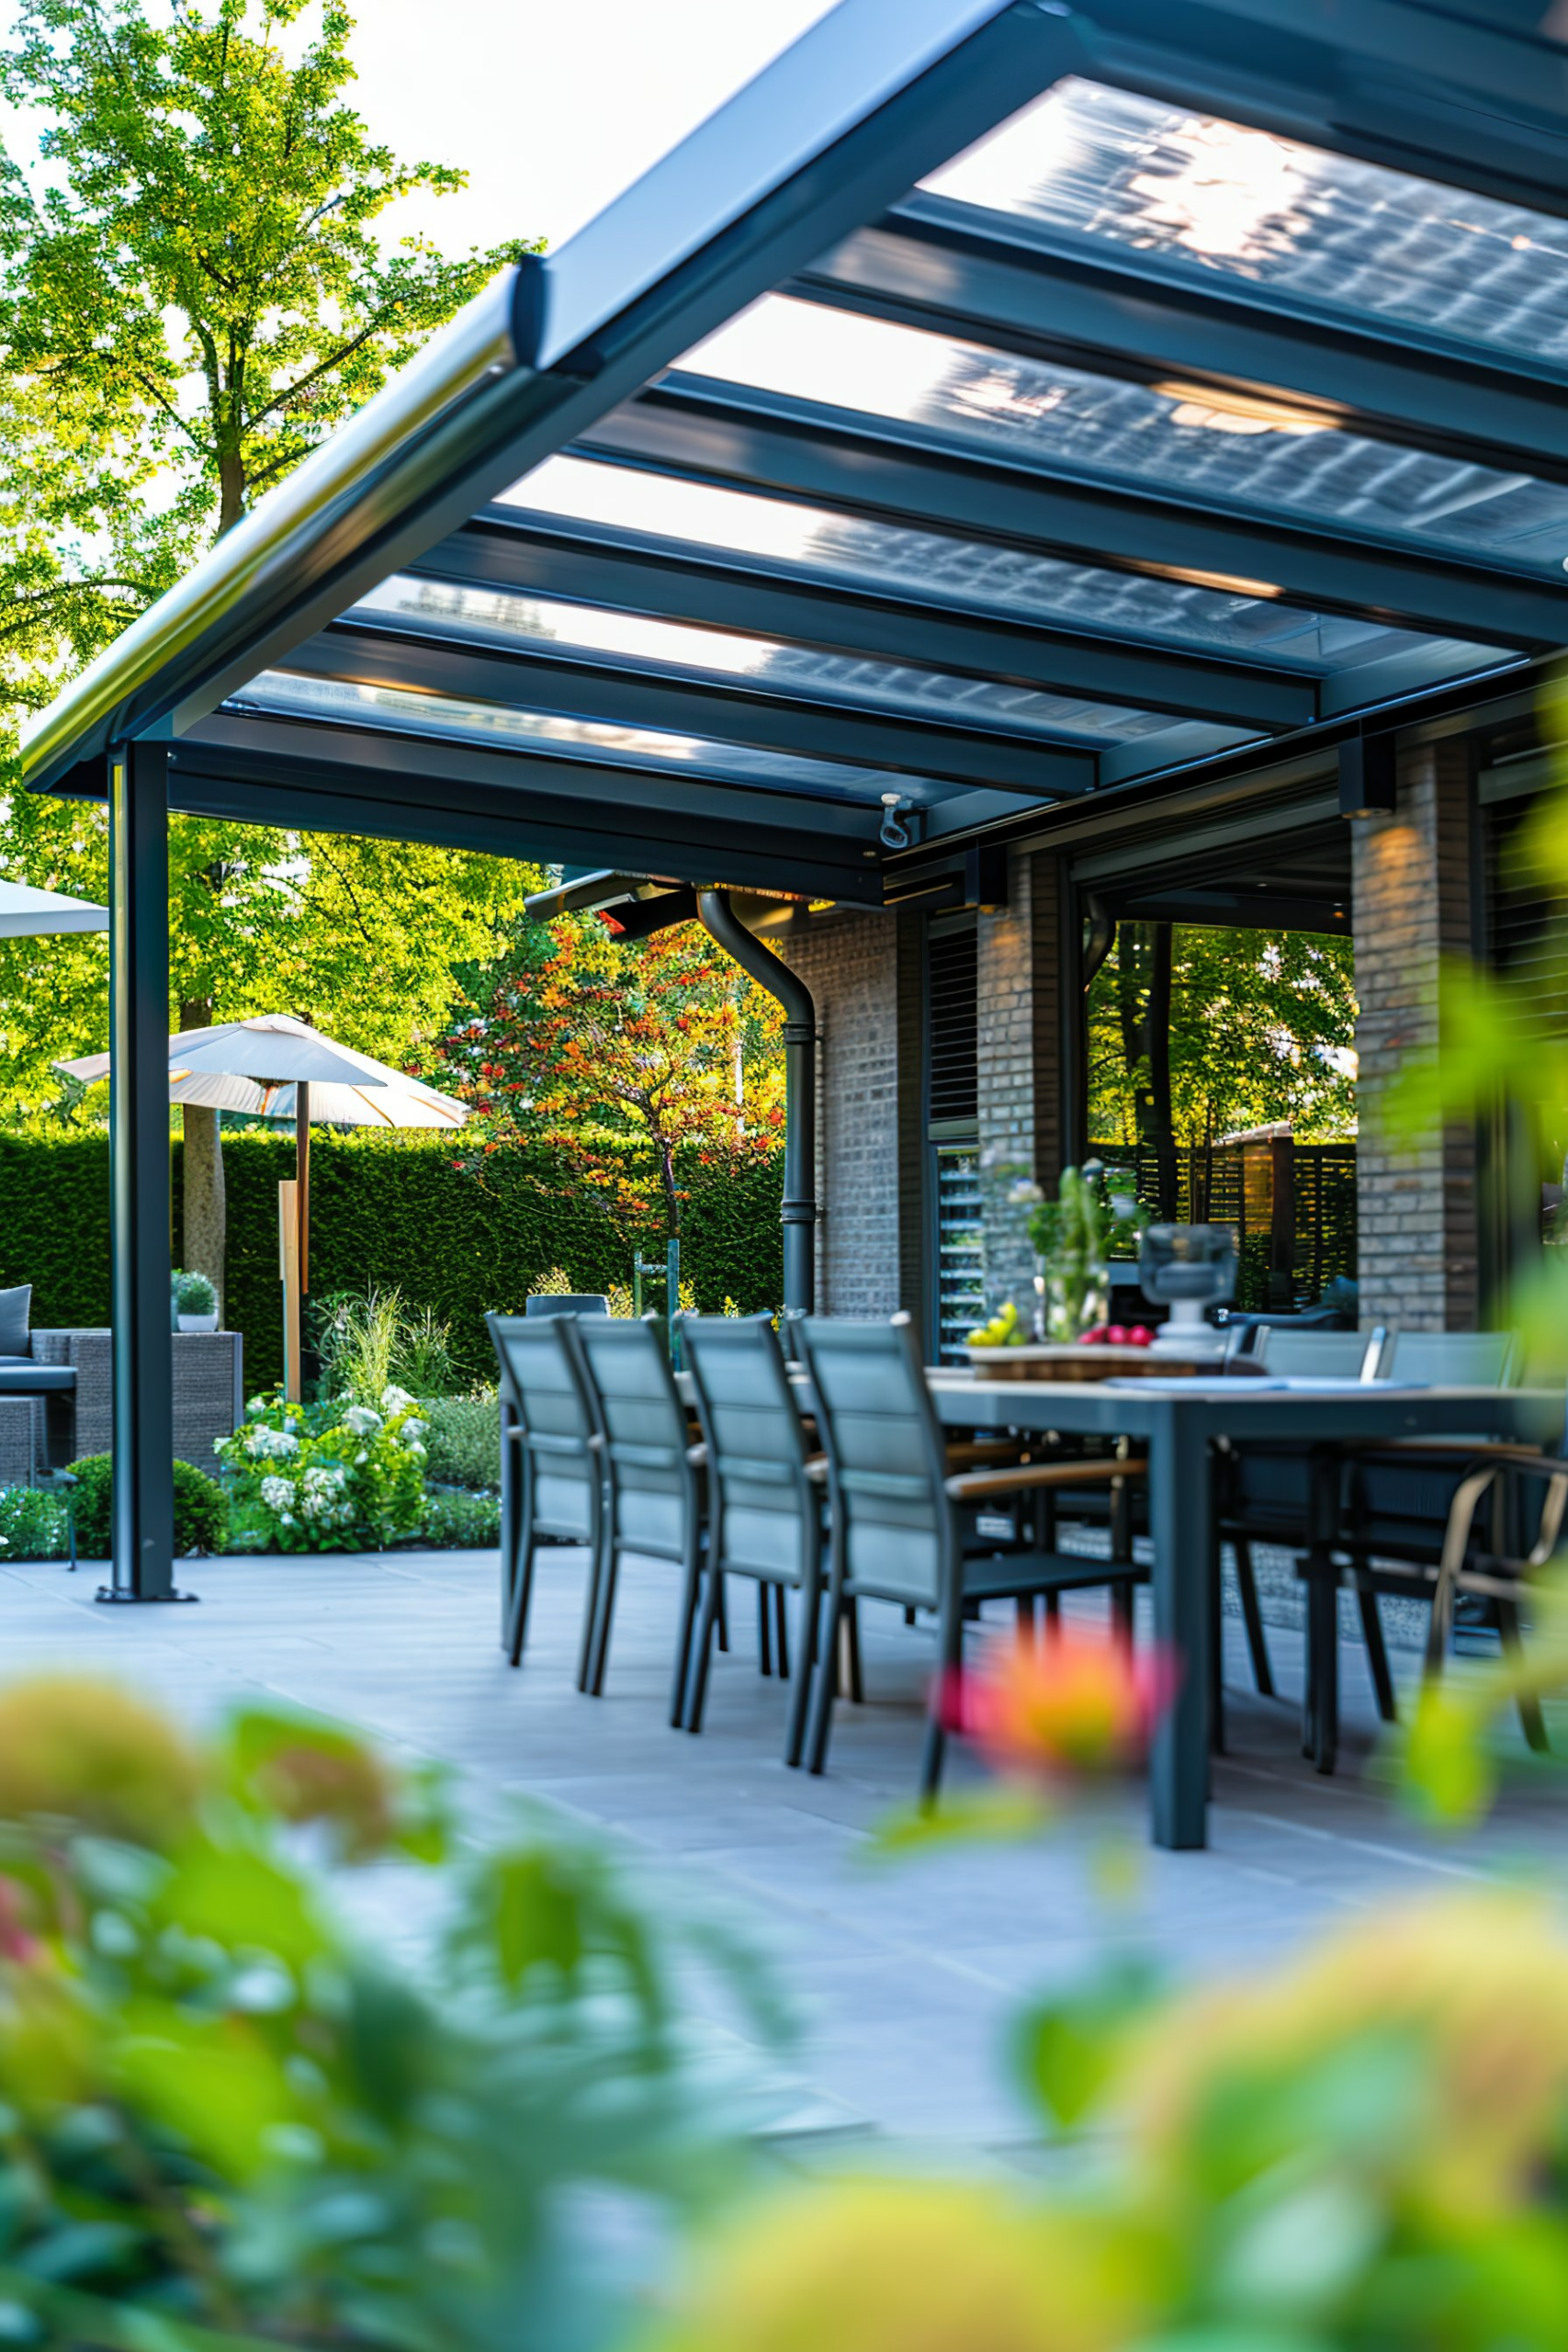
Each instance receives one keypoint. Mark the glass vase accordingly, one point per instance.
(1076, 1299)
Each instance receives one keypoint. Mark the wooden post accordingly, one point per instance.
(288, 1267)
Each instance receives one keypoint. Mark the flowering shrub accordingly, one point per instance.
(333, 1477)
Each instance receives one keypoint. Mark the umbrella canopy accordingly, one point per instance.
(255, 1065)
(25, 912)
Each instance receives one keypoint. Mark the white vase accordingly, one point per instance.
(208, 1322)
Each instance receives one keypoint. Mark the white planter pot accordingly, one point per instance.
(208, 1322)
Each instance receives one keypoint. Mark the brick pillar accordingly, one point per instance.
(1416, 1201)
(863, 972)
(1019, 1064)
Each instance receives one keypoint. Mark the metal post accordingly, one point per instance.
(672, 1298)
(799, 1211)
(143, 1548)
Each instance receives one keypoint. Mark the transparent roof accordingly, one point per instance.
(975, 575)
(503, 617)
(1170, 437)
(405, 711)
(1242, 203)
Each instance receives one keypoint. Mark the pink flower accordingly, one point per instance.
(1076, 1707)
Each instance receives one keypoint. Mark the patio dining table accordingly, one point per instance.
(1180, 1419)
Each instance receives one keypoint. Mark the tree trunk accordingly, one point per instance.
(672, 1197)
(206, 1211)
(1162, 1122)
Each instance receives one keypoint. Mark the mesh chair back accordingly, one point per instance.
(644, 1425)
(566, 1301)
(541, 1381)
(1317, 1355)
(1452, 1359)
(884, 1452)
(756, 1444)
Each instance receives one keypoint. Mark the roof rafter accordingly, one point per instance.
(891, 470)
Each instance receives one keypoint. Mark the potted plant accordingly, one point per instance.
(195, 1303)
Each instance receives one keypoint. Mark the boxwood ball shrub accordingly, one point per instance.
(334, 1477)
(201, 1507)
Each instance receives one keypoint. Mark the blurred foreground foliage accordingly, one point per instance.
(226, 2116)
(227, 2119)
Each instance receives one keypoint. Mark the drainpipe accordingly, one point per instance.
(799, 1214)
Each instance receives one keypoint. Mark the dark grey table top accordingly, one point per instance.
(1243, 1408)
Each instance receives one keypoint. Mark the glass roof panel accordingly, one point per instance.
(1242, 203)
(973, 575)
(502, 617)
(1170, 437)
(406, 712)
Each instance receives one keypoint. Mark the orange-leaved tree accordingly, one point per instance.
(583, 1040)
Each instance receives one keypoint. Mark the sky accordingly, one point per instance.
(552, 106)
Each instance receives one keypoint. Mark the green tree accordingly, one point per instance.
(1262, 1029)
(192, 293)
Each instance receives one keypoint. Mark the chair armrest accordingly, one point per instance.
(698, 1455)
(983, 1453)
(816, 1469)
(1402, 1449)
(978, 1486)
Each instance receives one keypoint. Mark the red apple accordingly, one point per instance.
(1117, 1334)
(1140, 1336)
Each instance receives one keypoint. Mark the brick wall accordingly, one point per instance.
(863, 972)
(1416, 1198)
(1018, 1060)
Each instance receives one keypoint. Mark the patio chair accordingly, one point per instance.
(566, 1301)
(652, 1496)
(1267, 1494)
(1397, 1507)
(551, 1470)
(895, 1512)
(1499, 1579)
(766, 1486)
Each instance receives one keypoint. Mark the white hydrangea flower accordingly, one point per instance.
(395, 1400)
(413, 1431)
(277, 1493)
(362, 1419)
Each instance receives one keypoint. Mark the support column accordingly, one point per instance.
(1416, 1199)
(143, 1537)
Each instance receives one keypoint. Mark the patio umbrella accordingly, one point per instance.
(26, 912)
(277, 1068)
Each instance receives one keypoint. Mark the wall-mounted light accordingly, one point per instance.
(1367, 782)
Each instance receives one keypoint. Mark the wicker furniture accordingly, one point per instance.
(209, 1393)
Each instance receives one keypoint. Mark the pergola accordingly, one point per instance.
(998, 403)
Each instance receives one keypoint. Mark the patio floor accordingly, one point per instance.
(905, 1974)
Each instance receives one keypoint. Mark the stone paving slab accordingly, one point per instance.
(905, 1976)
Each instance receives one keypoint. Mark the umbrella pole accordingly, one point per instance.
(293, 1307)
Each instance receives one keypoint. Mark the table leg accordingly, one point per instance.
(1180, 1523)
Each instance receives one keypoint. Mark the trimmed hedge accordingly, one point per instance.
(385, 1209)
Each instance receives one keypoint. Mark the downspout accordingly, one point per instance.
(799, 1213)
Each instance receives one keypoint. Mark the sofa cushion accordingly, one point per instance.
(16, 1314)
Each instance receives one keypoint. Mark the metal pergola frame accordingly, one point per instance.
(802, 186)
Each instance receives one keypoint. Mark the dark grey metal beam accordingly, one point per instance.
(770, 718)
(1022, 287)
(143, 1539)
(896, 471)
(710, 588)
(330, 778)
(831, 134)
